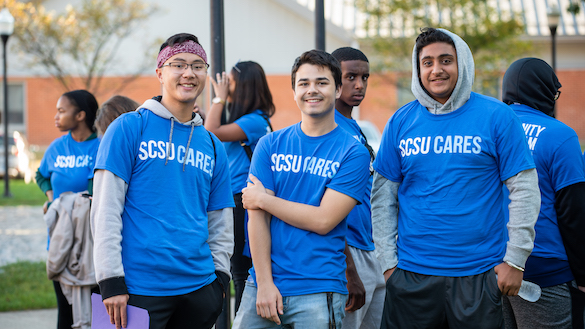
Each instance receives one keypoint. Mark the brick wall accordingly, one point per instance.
(380, 102)
(41, 99)
(571, 103)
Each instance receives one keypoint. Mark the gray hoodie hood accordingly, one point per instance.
(465, 77)
(157, 108)
(154, 106)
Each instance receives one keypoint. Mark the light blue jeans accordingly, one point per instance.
(304, 311)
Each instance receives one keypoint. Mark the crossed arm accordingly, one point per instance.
(334, 207)
(262, 204)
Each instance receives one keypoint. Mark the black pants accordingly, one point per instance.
(196, 310)
(578, 303)
(64, 310)
(423, 301)
(240, 264)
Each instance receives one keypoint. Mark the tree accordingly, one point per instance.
(573, 7)
(492, 37)
(82, 42)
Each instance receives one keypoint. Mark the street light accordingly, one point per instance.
(553, 14)
(6, 29)
(320, 25)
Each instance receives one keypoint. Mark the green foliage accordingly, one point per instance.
(24, 286)
(574, 8)
(492, 38)
(80, 42)
(22, 194)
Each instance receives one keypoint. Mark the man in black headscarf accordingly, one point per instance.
(557, 262)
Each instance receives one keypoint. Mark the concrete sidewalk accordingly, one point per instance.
(23, 234)
(37, 319)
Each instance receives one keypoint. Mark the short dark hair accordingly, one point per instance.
(111, 109)
(349, 54)
(319, 58)
(251, 92)
(84, 101)
(430, 35)
(178, 39)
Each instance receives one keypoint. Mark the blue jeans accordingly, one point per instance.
(304, 311)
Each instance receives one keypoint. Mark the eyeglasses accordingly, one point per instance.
(557, 95)
(179, 68)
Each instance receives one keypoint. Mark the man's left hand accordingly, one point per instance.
(253, 194)
(509, 279)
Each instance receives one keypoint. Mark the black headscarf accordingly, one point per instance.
(532, 82)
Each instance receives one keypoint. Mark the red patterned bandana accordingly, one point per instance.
(185, 47)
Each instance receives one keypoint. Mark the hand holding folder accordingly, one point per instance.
(138, 318)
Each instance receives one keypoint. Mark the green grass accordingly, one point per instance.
(24, 286)
(22, 194)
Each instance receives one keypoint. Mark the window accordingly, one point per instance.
(15, 106)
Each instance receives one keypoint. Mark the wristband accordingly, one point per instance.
(218, 100)
(512, 265)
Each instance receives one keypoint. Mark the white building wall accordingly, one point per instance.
(570, 51)
(274, 32)
(270, 32)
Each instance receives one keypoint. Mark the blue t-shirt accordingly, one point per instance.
(254, 126)
(164, 239)
(299, 168)
(451, 168)
(69, 164)
(557, 155)
(359, 220)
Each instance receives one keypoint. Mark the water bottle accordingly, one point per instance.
(529, 291)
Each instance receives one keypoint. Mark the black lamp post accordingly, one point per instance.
(218, 66)
(320, 25)
(6, 29)
(553, 14)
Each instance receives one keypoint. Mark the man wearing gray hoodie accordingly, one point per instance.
(162, 208)
(444, 158)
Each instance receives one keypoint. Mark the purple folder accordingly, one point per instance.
(137, 317)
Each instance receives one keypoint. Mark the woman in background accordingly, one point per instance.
(243, 95)
(111, 109)
(68, 164)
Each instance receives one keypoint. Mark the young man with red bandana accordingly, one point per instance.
(162, 209)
